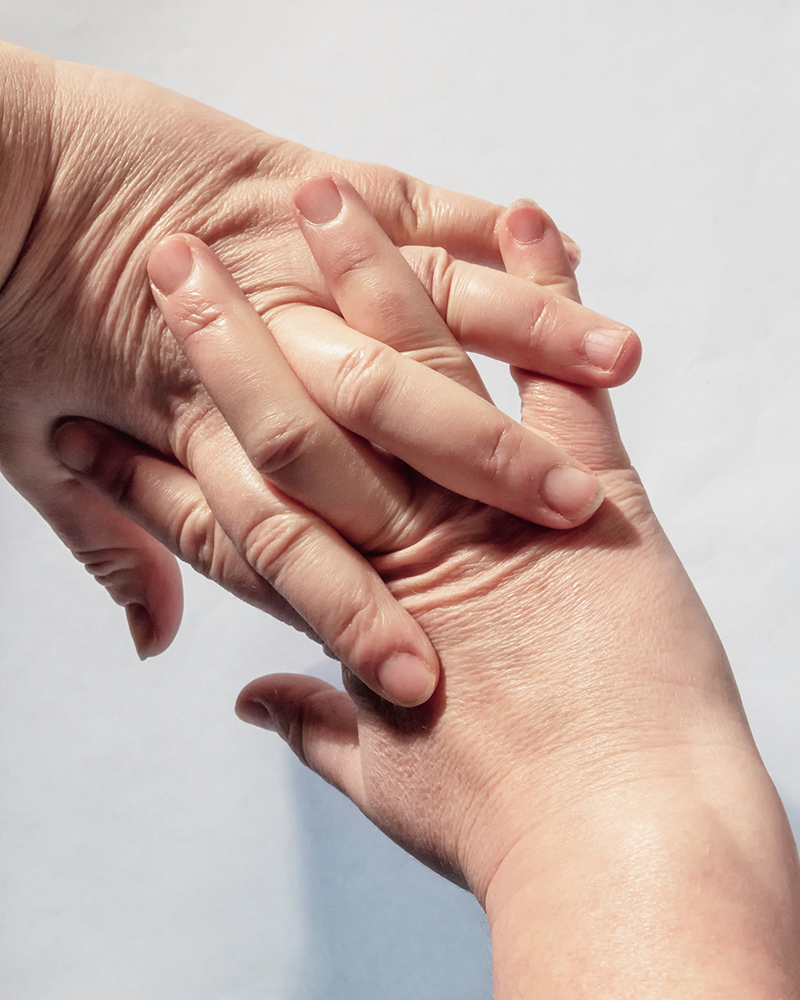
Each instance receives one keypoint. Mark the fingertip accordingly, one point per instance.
(142, 629)
(526, 223)
(163, 589)
(76, 443)
(572, 493)
(406, 679)
(629, 359)
(319, 199)
(614, 352)
(255, 713)
(573, 249)
(533, 248)
(170, 264)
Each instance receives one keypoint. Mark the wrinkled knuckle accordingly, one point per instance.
(276, 448)
(357, 621)
(122, 483)
(540, 324)
(361, 384)
(504, 446)
(410, 209)
(271, 542)
(195, 536)
(298, 727)
(435, 268)
(194, 418)
(103, 563)
(113, 568)
(356, 262)
(198, 315)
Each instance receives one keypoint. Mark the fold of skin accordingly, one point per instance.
(586, 767)
(95, 168)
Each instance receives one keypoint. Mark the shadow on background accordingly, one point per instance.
(378, 923)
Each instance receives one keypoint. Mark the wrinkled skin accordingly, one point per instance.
(96, 167)
(585, 766)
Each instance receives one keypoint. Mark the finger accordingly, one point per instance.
(266, 541)
(413, 212)
(483, 309)
(581, 420)
(374, 287)
(434, 424)
(330, 584)
(516, 321)
(533, 249)
(443, 430)
(317, 721)
(138, 573)
(166, 501)
(286, 435)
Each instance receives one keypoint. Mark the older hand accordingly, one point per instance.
(96, 168)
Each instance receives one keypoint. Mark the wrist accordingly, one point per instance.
(686, 883)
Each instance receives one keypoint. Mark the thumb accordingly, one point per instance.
(319, 722)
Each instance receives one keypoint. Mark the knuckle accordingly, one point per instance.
(196, 316)
(435, 269)
(117, 478)
(272, 541)
(541, 322)
(410, 209)
(504, 445)
(272, 448)
(299, 727)
(114, 568)
(197, 537)
(194, 419)
(356, 261)
(361, 384)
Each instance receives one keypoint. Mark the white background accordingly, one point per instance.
(153, 847)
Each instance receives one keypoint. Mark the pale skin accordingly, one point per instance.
(96, 168)
(584, 766)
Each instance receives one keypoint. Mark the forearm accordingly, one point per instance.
(683, 889)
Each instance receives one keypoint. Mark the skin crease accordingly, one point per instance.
(97, 168)
(585, 766)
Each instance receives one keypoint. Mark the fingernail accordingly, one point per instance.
(76, 446)
(254, 713)
(406, 679)
(318, 200)
(526, 224)
(572, 492)
(141, 628)
(170, 264)
(603, 347)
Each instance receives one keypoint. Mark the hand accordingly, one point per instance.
(97, 168)
(440, 425)
(585, 765)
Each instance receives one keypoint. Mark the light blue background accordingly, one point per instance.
(153, 847)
